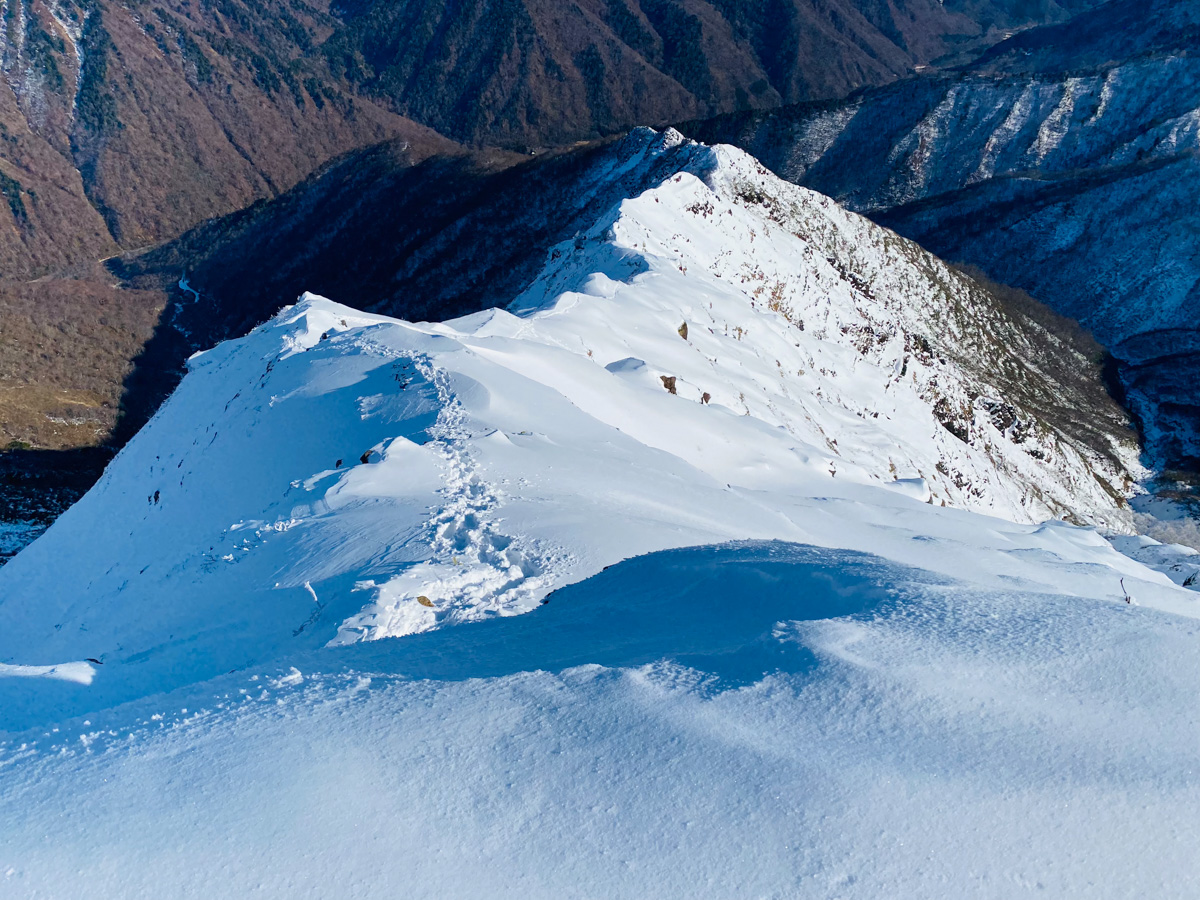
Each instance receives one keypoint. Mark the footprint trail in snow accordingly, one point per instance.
(475, 570)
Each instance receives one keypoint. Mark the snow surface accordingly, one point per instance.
(760, 657)
(914, 737)
(1178, 562)
(1078, 184)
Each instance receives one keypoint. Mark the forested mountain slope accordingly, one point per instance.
(158, 114)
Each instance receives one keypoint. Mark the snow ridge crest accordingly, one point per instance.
(721, 357)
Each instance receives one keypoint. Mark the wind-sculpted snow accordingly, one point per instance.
(686, 580)
(751, 719)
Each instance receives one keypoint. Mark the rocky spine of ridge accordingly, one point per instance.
(999, 378)
(1063, 162)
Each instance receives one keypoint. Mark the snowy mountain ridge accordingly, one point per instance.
(673, 602)
(722, 357)
(1065, 162)
(841, 291)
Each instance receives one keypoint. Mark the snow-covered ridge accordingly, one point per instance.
(722, 357)
(854, 331)
(1073, 175)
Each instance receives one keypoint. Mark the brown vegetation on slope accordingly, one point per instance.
(159, 114)
(179, 112)
(66, 347)
(528, 72)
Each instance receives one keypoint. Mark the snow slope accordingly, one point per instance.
(1063, 162)
(772, 642)
(709, 357)
(913, 737)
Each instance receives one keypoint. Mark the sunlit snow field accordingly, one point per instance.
(570, 600)
(912, 739)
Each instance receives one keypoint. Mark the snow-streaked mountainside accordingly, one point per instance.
(717, 564)
(1037, 178)
(1062, 162)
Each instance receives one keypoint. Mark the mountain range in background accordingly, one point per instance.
(1064, 162)
(125, 124)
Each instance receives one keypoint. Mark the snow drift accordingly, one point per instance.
(755, 719)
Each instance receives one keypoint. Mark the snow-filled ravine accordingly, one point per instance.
(675, 579)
